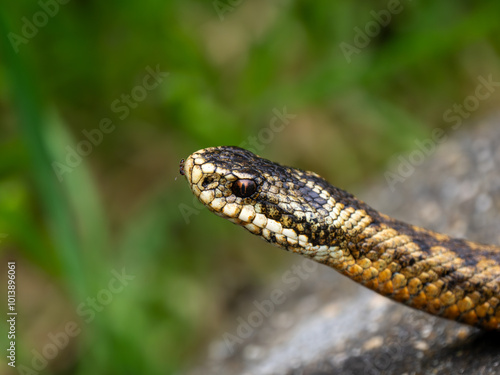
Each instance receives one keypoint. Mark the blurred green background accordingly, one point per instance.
(92, 135)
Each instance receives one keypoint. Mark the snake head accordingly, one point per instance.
(288, 207)
(223, 179)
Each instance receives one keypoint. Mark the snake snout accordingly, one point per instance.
(186, 168)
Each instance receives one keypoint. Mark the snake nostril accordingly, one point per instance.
(207, 181)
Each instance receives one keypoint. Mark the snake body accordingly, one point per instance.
(301, 212)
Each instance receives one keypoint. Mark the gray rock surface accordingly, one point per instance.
(330, 325)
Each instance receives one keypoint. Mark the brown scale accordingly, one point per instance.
(451, 278)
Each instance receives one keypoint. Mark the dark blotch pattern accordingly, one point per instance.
(452, 278)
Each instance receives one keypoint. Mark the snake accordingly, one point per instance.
(301, 212)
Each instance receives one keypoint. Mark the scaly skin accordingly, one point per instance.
(302, 213)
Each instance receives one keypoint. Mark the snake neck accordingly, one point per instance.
(449, 277)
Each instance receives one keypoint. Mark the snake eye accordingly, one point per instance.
(244, 188)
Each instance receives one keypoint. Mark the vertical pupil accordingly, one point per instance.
(244, 188)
